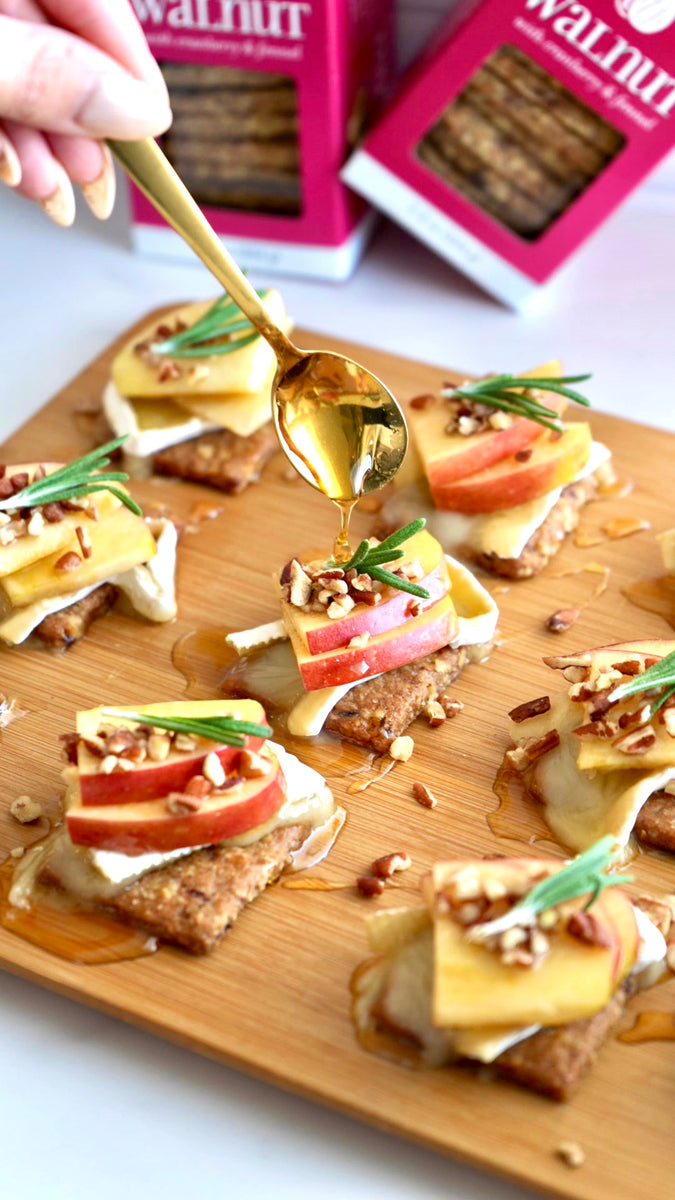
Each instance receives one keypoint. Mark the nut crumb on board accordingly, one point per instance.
(370, 886)
(424, 795)
(571, 1153)
(24, 809)
(401, 748)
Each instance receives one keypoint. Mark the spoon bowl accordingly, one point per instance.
(338, 424)
(340, 427)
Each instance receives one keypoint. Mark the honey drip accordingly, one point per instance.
(518, 816)
(654, 596)
(57, 925)
(651, 1027)
(341, 550)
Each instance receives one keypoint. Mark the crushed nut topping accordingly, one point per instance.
(531, 708)
(467, 417)
(317, 587)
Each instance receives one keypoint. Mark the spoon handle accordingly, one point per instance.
(152, 172)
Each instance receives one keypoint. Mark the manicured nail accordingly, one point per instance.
(122, 107)
(60, 204)
(100, 193)
(10, 167)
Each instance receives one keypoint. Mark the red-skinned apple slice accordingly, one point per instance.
(416, 638)
(151, 826)
(321, 633)
(450, 456)
(152, 780)
(554, 462)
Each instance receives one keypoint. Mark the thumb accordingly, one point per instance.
(59, 83)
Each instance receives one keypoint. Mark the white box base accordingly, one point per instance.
(288, 258)
(431, 225)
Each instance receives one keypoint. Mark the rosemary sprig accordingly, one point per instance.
(661, 675)
(368, 559)
(227, 730)
(498, 392)
(212, 333)
(585, 873)
(78, 478)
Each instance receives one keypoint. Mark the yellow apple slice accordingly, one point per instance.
(30, 547)
(119, 542)
(241, 414)
(243, 370)
(474, 988)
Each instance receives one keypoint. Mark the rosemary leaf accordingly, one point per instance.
(227, 730)
(584, 874)
(514, 391)
(369, 560)
(79, 478)
(211, 334)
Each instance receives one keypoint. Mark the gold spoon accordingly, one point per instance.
(339, 425)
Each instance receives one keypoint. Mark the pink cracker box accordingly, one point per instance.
(269, 97)
(520, 129)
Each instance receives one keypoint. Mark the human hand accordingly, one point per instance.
(73, 72)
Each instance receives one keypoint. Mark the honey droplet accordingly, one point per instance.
(650, 1027)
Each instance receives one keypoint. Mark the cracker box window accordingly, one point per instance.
(518, 144)
(234, 137)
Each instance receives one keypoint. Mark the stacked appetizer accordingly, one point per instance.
(178, 815)
(376, 640)
(71, 537)
(499, 476)
(600, 757)
(192, 393)
(520, 963)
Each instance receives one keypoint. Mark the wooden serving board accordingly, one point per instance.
(274, 997)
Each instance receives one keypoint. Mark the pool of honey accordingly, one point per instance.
(654, 596)
(55, 923)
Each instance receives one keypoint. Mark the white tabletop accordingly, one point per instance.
(89, 1107)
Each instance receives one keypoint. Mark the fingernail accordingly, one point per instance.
(60, 204)
(100, 193)
(123, 107)
(10, 167)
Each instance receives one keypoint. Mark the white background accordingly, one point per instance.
(91, 1109)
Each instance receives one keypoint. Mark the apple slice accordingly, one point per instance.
(121, 541)
(321, 633)
(574, 980)
(244, 370)
(447, 457)
(554, 462)
(154, 780)
(54, 535)
(416, 638)
(151, 826)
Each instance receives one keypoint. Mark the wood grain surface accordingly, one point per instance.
(274, 997)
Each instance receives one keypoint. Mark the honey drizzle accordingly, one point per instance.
(654, 596)
(650, 1027)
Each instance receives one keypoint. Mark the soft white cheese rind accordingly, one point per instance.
(143, 443)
